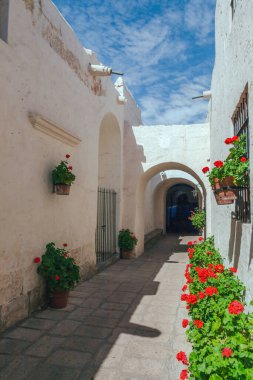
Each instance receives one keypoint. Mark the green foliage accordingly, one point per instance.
(127, 240)
(221, 329)
(232, 165)
(62, 174)
(59, 270)
(198, 219)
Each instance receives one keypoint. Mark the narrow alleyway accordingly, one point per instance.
(124, 323)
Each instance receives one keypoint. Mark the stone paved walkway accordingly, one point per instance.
(123, 324)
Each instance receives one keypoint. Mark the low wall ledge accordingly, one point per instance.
(49, 128)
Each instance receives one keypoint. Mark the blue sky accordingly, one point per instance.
(164, 47)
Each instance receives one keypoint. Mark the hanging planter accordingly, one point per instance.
(225, 191)
(63, 177)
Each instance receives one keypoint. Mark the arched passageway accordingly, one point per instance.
(181, 199)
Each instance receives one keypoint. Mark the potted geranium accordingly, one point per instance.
(63, 177)
(60, 272)
(226, 176)
(198, 219)
(126, 241)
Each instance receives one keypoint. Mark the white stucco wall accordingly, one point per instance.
(233, 69)
(44, 70)
(153, 149)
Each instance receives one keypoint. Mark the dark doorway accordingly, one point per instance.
(181, 199)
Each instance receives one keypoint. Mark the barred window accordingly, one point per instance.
(240, 121)
(4, 16)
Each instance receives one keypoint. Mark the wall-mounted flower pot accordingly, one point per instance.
(225, 191)
(62, 189)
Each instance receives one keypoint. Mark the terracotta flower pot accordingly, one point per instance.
(62, 189)
(225, 191)
(126, 254)
(59, 299)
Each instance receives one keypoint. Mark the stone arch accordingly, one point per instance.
(150, 172)
(160, 193)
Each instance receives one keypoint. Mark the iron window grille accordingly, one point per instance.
(240, 121)
(4, 16)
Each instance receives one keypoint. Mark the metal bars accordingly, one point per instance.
(240, 120)
(106, 225)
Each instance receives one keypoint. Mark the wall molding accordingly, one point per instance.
(49, 128)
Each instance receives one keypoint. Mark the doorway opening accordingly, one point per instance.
(181, 199)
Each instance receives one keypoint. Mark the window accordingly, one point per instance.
(4, 15)
(233, 5)
(240, 121)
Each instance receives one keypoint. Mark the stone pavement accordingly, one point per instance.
(123, 324)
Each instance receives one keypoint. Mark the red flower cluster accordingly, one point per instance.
(184, 288)
(205, 273)
(233, 270)
(218, 164)
(205, 169)
(211, 290)
(190, 255)
(67, 156)
(185, 323)
(191, 250)
(201, 295)
(190, 243)
(243, 159)
(201, 238)
(57, 278)
(37, 260)
(198, 323)
(235, 307)
(181, 357)
(184, 374)
(227, 352)
(189, 298)
(219, 268)
(187, 274)
(230, 140)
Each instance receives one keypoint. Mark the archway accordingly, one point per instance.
(140, 204)
(109, 188)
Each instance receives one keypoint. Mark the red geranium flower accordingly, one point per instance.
(185, 323)
(67, 155)
(181, 357)
(243, 159)
(227, 352)
(201, 238)
(201, 295)
(195, 242)
(211, 290)
(65, 244)
(191, 250)
(233, 270)
(192, 299)
(184, 297)
(189, 243)
(184, 374)
(235, 307)
(205, 169)
(209, 253)
(37, 260)
(190, 255)
(218, 164)
(198, 323)
(228, 141)
(70, 167)
(234, 138)
(219, 268)
(184, 288)
(57, 278)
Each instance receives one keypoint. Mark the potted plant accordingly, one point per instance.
(63, 177)
(228, 175)
(198, 219)
(60, 272)
(126, 241)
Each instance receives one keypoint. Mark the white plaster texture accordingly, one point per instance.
(233, 69)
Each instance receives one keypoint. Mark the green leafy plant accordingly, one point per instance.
(220, 331)
(198, 219)
(58, 268)
(127, 240)
(236, 164)
(62, 174)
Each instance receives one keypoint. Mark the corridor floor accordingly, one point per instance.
(123, 324)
